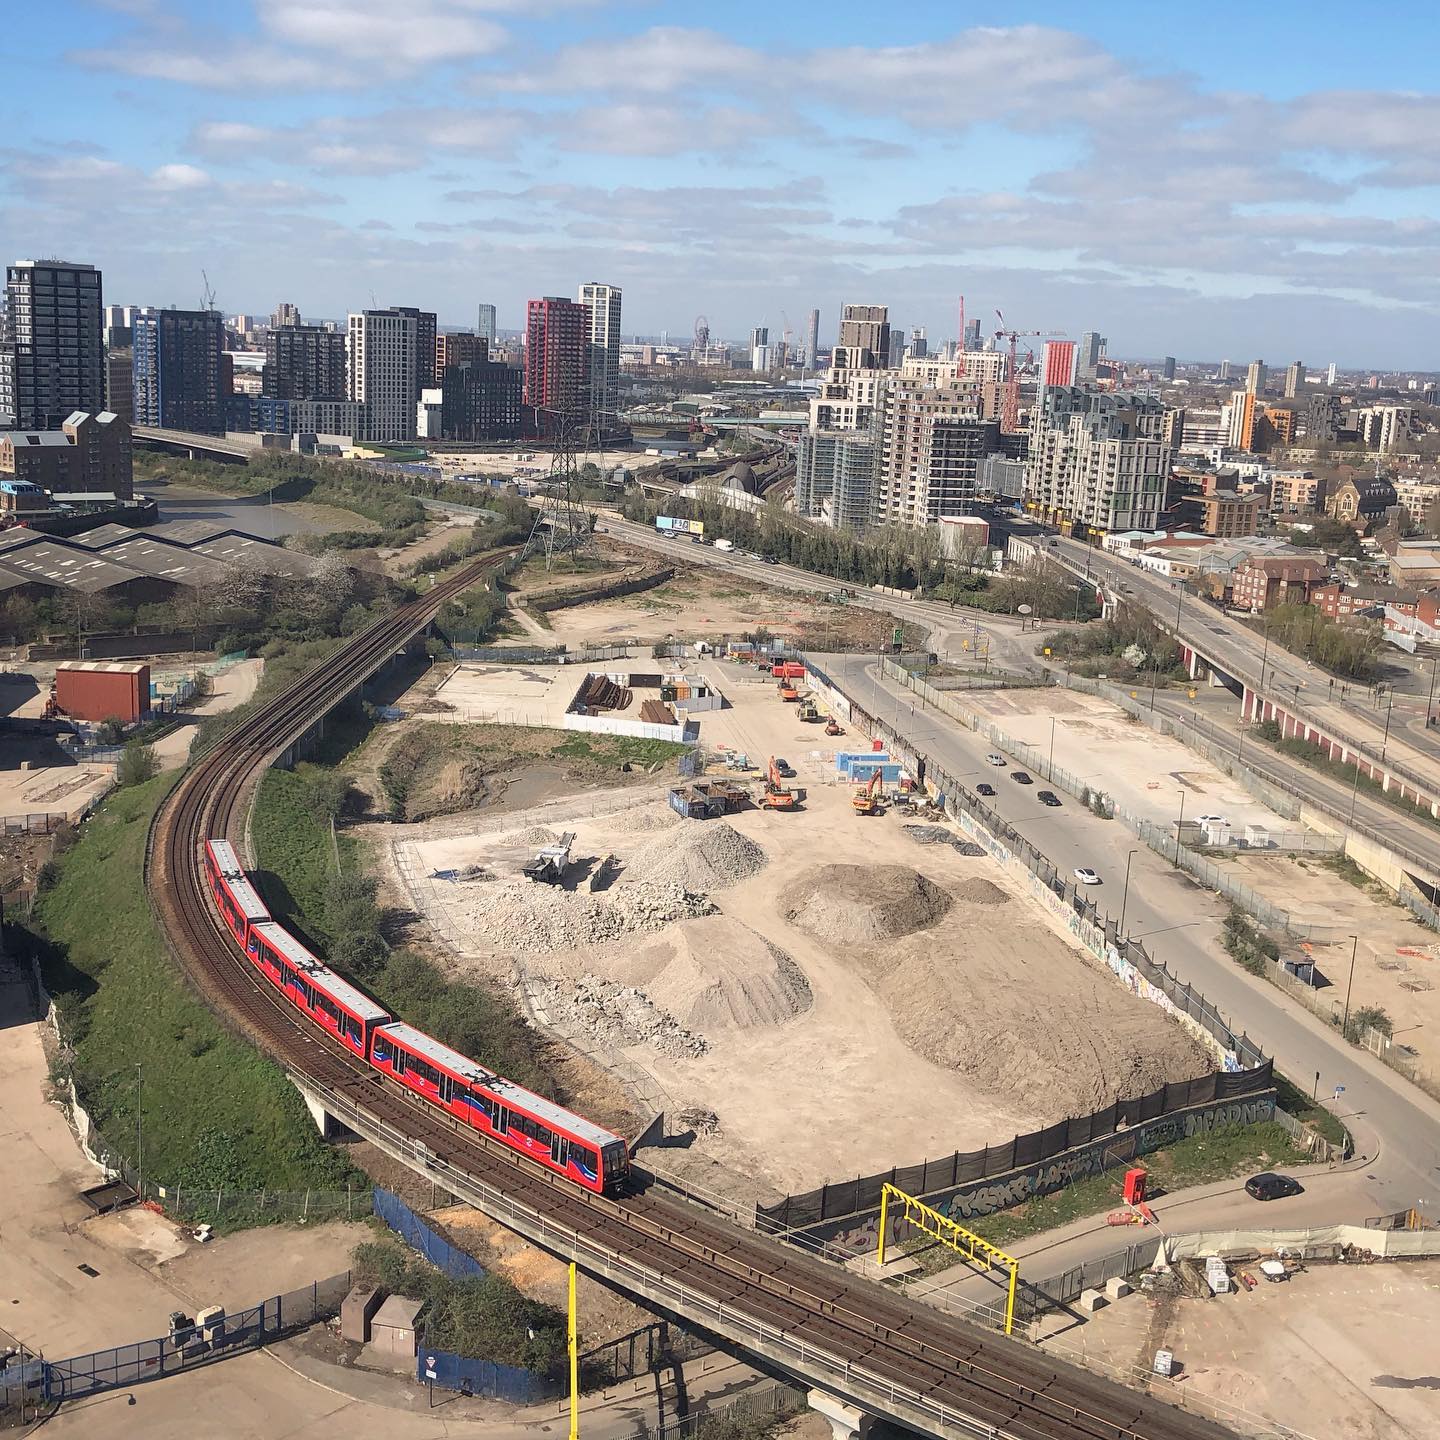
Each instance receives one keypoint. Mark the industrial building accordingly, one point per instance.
(88, 454)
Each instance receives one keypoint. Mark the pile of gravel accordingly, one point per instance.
(618, 1016)
(527, 918)
(939, 835)
(701, 855)
(856, 904)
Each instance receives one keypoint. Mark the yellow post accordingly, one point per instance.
(574, 1364)
(1010, 1298)
(884, 1216)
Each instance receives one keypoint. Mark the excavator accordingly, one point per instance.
(867, 801)
(777, 795)
(788, 692)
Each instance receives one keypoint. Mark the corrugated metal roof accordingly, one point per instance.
(50, 562)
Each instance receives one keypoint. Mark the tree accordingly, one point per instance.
(137, 764)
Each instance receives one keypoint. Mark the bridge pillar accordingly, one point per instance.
(326, 1124)
(847, 1422)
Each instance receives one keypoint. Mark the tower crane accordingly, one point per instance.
(1010, 415)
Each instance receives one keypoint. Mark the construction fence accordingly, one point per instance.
(420, 1237)
(1036, 1147)
(36, 1381)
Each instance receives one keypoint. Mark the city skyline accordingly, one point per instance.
(1187, 196)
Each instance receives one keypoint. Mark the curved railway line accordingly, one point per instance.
(876, 1349)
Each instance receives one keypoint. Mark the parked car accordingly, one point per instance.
(1269, 1186)
(783, 766)
(1086, 876)
(993, 759)
(1211, 820)
(1021, 778)
(1048, 797)
(983, 789)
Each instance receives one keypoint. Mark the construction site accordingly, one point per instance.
(797, 965)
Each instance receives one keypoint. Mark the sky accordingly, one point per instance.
(1218, 181)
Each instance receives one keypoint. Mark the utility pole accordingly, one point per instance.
(1179, 826)
(139, 1139)
(1125, 897)
(1345, 1023)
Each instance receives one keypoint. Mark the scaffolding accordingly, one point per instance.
(970, 1247)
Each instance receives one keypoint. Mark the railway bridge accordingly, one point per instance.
(864, 1350)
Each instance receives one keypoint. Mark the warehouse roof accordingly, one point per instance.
(104, 535)
(165, 561)
(53, 563)
(249, 553)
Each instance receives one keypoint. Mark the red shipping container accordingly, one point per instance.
(103, 690)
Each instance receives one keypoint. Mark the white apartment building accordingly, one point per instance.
(1204, 429)
(603, 303)
(1098, 460)
(382, 361)
(930, 440)
(1388, 427)
(835, 456)
(1416, 496)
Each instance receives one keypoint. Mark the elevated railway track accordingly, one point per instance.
(875, 1350)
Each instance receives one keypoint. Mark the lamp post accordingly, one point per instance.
(1345, 1023)
(1050, 763)
(1179, 825)
(1125, 896)
(1430, 701)
(1389, 710)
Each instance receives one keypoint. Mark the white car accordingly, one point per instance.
(1211, 820)
(1086, 876)
(993, 759)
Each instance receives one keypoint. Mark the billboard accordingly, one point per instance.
(683, 527)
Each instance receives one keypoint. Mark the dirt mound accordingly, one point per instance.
(702, 855)
(718, 974)
(980, 891)
(852, 904)
(618, 1016)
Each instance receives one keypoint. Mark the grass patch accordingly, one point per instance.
(215, 1113)
(1295, 1102)
(1342, 865)
(1228, 1151)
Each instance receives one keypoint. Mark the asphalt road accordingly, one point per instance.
(1396, 1125)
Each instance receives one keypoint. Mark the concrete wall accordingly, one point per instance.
(686, 733)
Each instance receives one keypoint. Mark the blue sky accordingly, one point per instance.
(1220, 181)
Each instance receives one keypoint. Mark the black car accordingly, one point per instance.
(983, 789)
(1047, 797)
(1021, 778)
(1269, 1186)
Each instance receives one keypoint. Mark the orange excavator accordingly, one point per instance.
(867, 801)
(788, 692)
(777, 795)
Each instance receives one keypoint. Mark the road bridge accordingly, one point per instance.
(194, 446)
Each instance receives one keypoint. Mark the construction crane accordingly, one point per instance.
(207, 295)
(1010, 414)
(960, 344)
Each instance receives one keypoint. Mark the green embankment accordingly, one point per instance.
(214, 1112)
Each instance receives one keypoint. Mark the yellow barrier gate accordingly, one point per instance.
(969, 1246)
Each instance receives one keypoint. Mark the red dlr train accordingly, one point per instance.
(545, 1132)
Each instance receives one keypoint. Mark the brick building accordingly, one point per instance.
(1264, 582)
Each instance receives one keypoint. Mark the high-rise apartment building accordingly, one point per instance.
(971, 338)
(1294, 379)
(1167, 368)
(1330, 373)
(867, 328)
(1058, 363)
(120, 381)
(834, 462)
(285, 314)
(603, 363)
(1098, 460)
(919, 346)
(557, 352)
(1087, 358)
(1256, 376)
(52, 351)
(812, 341)
(1223, 373)
(485, 324)
(458, 347)
(304, 362)
(391, 359)
(1243, 415)
(930, 440)
(179, 370)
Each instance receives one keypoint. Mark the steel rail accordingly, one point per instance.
(854, 1336)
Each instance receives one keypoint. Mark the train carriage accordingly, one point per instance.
(237, 900)
(332, 1003)
(545, 1132)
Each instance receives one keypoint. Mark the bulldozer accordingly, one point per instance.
(867, 801)
(809, 711)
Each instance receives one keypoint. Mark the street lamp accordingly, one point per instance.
(1345, 1023)
(1179, 825)
(1389, 710)
(1050, 764)
(1125, 896)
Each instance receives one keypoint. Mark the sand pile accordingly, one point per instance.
(980, 891)
(853, 904)
(533, 835)
(718, 974)
(525, 917)
(702, 855)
